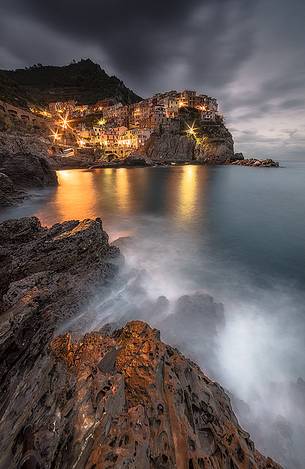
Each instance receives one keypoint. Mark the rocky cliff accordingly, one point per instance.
(109, 399)
(210, 143)
(168, 147)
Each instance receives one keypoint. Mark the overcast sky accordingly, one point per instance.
(250, 54)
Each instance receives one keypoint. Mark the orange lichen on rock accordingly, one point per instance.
(140, 403)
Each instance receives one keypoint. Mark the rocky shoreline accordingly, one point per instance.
(141, 161)
(21, 172)
(239, 160)
(113, 398)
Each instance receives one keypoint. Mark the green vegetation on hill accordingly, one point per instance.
(83, 81)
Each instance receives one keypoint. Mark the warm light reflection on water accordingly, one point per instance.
(122, 190)
(123, 193)
(73, 199)
(187, 192)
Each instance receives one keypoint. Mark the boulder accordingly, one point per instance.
(27, 170)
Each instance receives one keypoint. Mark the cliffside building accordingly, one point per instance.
(130, 126)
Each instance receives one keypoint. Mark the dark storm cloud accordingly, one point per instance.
(248, 54)
(141, 38)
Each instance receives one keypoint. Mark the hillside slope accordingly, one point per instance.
(83, 81)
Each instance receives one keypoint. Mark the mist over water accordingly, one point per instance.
(214, 258)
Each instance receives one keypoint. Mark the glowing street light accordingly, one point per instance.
(65, 122)
(55, 135)
(191, 130)
(101, 121)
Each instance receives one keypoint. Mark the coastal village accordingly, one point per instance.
(116, 129)
(78, 116)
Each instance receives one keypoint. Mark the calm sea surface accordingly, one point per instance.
(244, 218)
(236, 233)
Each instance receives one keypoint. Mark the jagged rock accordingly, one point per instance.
(6, 184)
(45, 277)
(63, 254)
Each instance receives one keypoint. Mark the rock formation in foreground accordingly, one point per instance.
(22, 171)
(110, 399)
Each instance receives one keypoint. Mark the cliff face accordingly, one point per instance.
(166, 147)
(110, 399)
(211, 142)
(217, 144)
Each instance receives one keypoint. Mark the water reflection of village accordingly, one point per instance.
(123, 194)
